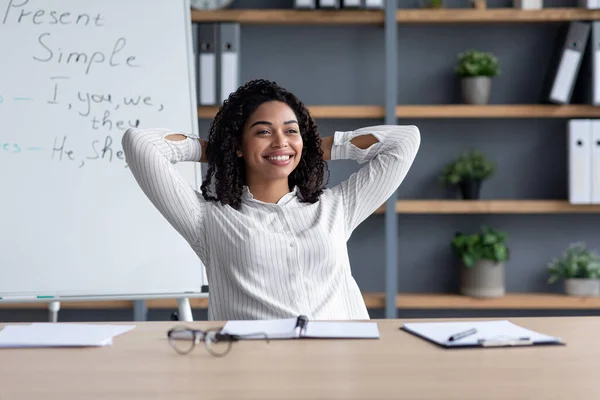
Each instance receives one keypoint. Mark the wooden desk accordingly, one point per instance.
(142, 365)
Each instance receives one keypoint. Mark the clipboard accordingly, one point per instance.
(479, 334)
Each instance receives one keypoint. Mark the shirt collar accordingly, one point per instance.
(247, 196)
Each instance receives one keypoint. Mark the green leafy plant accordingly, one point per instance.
(433, 3)
(487, 244)
(477, 63)
(576, 262)
(470, 165)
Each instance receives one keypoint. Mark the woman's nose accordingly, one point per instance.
(279, 140)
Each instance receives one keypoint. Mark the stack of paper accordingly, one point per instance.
(60, 335)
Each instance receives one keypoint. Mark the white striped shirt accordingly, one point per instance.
(267, 261)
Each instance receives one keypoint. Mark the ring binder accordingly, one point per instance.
(301, 323)
(301, 327)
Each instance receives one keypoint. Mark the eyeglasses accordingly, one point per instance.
(184, 339)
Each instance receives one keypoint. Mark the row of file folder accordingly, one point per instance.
(217, 61)
(310, 4)
(577, 38)
(584, 161)
(589, 3)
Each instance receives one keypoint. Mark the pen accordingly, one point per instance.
(463, 334)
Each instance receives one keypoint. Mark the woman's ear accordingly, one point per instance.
(239, 153)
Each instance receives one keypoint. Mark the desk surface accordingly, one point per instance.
(141, 365)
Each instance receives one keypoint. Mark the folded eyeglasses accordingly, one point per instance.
(184, 339)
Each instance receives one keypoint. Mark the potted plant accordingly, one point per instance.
(432, 3)
(476, 70)
(468, 172)
(482, 256)
(580, 270)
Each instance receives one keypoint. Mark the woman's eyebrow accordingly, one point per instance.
(291, 121)
(261, 123)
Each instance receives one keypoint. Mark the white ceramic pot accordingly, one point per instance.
(476, 89)
(582, 287)
(528, 4)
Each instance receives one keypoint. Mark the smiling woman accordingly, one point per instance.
(272, 149)
(271, 235)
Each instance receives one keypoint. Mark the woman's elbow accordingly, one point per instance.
(415, 134)
(128, 139)
(411, 138)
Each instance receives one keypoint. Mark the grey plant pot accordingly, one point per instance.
(582, 287)
(476, 89)
(484, 279)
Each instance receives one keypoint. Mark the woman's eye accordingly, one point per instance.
(292, 131)
(262, 132)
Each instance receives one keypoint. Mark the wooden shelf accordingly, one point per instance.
(376, 300)
(445, 111)
(495, 15)
(509, 301)
(321, 111)
(490, 207)
(497, 111)
(294, 17)
(406, 16)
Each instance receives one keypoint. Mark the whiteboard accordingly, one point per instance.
(75, 75)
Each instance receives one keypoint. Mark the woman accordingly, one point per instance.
(271, 235)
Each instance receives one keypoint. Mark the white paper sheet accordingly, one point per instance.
(342, 330)
(60, 335)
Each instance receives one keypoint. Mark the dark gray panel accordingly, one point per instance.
(427, 263)
(322, 65)
(428, 55)
(530, 157)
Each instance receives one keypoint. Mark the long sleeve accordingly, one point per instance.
(387, 164)
(152, 160)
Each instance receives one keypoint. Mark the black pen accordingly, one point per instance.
(461, 335)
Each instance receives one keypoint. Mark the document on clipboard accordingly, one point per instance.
(468, 334)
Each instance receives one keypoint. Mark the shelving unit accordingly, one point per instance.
(390, 112)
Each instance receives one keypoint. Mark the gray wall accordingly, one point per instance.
(329, 65)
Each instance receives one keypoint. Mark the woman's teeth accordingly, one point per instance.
(279, 158)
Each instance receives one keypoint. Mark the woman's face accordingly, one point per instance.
(271, 143)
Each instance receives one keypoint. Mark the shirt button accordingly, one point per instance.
(292, 244)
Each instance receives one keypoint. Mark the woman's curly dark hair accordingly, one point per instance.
(226, 174)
